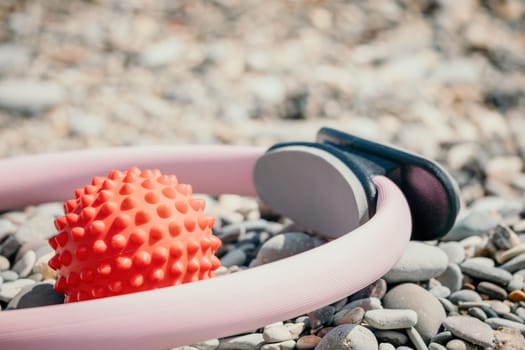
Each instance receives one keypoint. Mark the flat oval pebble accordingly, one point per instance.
(234, 257)
(442, 337)
(419, 262)
(475, 223)
(498, 306)
(436, 346)
(429, 310)
(24, 266)
(348, 337)
(365, 303)
(497, 322)
(470, 329)
(478, 313)
(391, 318)
(38, 294)
(354, 316)
(452, 277)
(320, 317)
(458, 344)
(464, 295)
(517, 296)
(396, 338)
(9, 275)
(486, 273)
(386, 346)
(4, 263)
(25, 95)
(512, 252)
(242, 342)
(454, 251)
(276, 333)
(307, 342)
(492, 290)
(10, 289)
(285, 245)
(515, 264)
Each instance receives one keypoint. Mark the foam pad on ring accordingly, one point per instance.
(313, 187)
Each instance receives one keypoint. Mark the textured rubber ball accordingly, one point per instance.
(129, 232)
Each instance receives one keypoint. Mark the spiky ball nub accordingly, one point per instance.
(132, 231)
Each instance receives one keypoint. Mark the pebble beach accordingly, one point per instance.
(445, 79)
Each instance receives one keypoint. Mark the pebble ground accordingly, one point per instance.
(442, 78)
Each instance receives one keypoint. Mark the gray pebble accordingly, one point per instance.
(429, 310)
(516, 283)
(419, 262)
(231, 232)
(36, 227)
(454, 251)
(6, 228)
(452, 278)
(492, 290)
(498, 306)
(464, 295)
(442, 337)
(483, 260)
(285, 245)
(386, 346)
(520, 311)
(476, 223)
(33, 96)
(511, 317)
(234, 257)
(470, 329)
(436, 346)
(404, 347)
(478, 313)
(492, 274)
(9, 246)
(38, 294)
(284, 345)
(515, 264)
(448, 306)
(10, 289)
(24, 266)
(354, 316)
(503, 238)
(4, 263)
(496, 322)
(348, 337)
(321, 317)
(458, 344)
(242, 342)
(440, 292)
(396, 338)
(391, 318)
(9, 275)
(416, 339)
(276, 333)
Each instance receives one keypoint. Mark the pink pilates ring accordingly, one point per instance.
(225, 305)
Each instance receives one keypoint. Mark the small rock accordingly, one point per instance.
(321, 317)
(516, 283)
(36, 227)
(478, 313)
(419, 262)
(517, 296)
(6, 228)
(436, 346)
(295, 329)
(511, 317)
(503, 238)
(9, 275)
(498, 306)
(440, 292)
(365, 303)
(497, 322)
(348, 337)
(452, 278)
(285, 245)
(492, 274)
(210, 344)
(454, 251)
(234, 257)
(38, 294)
(476, 223)
(470, 329)
(458, 344)
(442, 337)
(492, 290)
(354, 316)
(242, 342)
(10, 289)
(24, 266)
(464, 295)
(386, 346)
(416, 339)
(391, 318)
(307, 342)
(276, 333)
(393, 337)
(4, 263)
(514, 264)
(429, 310)
(29, 96)
(284, 345)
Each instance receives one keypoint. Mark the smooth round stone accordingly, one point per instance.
(449, 307)
(36, 227)
(348, 337)
(482, 260)
(354, 316)
(307, 342)
(478, 313)
(515, 264)
(442, 337)
(470, 329)
(511, 317)
(440, 292)
(492, 290)
(516, 283)
(497, 322)
(25, 265)
(517, 296)
(429, 310)
(520, 311)
(454, 251)
(321, 317)
(511, 253)
(4, 263)
(395, 338)
(10, 289)
(436, 346)
(386, 346)
(25, 95)
(38, 294)
(452, 278)
(284, 345)
(491, 274)
(416, 339)
(276, 334)
(365, 303)
(474, 224)
(419, 262)
(234, 257)
(498, 306)
(503, 238)
(9, 275)
(242, 342)
(458, 344)
(285, 245)
(391, 318)
(464, 295)
(6, 228)
(295, 329)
